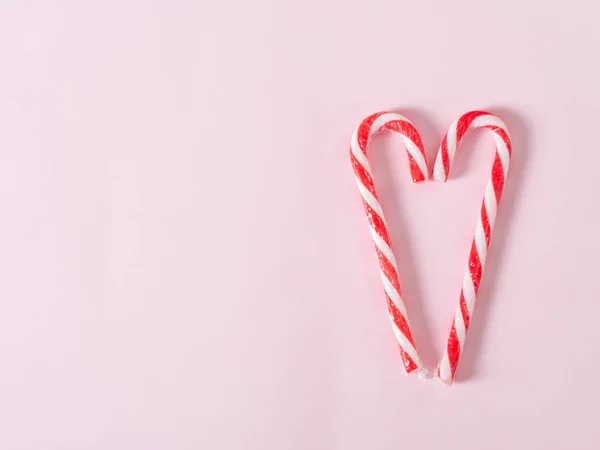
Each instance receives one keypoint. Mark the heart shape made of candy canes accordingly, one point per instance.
(419, 172)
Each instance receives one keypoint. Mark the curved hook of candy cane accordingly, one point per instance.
(483, 230)
(377, 224)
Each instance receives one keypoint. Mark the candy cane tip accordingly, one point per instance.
(422, 373)
(439, 174)
(446, 382)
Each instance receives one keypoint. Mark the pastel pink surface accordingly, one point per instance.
(184, 258)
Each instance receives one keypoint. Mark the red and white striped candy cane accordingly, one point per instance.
(483, 231)
(383, 245)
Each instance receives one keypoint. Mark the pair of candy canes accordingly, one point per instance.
(419, 172)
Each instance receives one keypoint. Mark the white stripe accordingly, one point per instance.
(406, 346)
(374, 204)
(417, 155)
(385, 249)
(444, 368)
(469, 292)
(491, 206)
(480, 241)
(459, 326)
(376, 127)
(394, 295)
(439, 172)
(438, 168)
(502, 150)
(489, 120)
(451, 143)
(383, 119)
(358, 153)
(370, 199)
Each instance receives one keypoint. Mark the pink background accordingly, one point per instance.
(184, 258)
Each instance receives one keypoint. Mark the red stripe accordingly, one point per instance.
(485, 221)
(367, 181)
(453, 349)
(409, 364)
(364, 131)
(465, 311)
(408, 129)
(369, 120)
(377, 223)
(362, 174)
(388, 269)
(465, 122)
(399, 320)
(500, 132)
(415, 171)
(475, 268)
(445, 157)
(498, 177)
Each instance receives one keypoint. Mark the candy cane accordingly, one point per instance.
(387, 260)
(483, 231)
